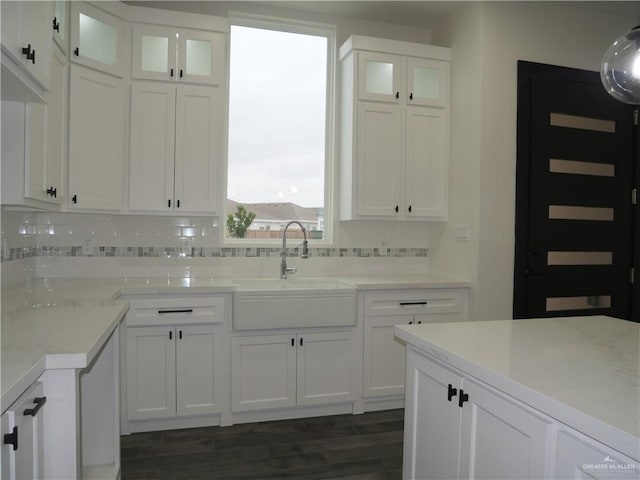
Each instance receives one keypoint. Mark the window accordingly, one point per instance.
(280, 97)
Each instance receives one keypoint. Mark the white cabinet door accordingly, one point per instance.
(151, 174)
(381, 77)
(500, 437)
(198, 149)
(426, 173)
(200, 57)
(60, 24)
(154, 52)
(97, 39)
(380, 160)
(384, 357)
(23, 423)
(151, 375)
(580, 457)
(46, 142)
(263, 372)
(325, 368)
(26, 34)
(96, 140)
(199, 360)
(427, 82)
(432, 422)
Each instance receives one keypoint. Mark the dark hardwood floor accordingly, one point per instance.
(358, 447)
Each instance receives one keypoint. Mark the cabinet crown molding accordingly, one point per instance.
(410, 49)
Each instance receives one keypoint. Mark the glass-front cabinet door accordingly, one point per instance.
(60, 23)
(96, 39)
(200, 56)
(166, 53)
(154, 52)
(380, 77)
(427, 82)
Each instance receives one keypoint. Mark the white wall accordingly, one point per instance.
(496, 35)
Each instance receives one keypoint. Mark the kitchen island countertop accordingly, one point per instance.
(582, 371)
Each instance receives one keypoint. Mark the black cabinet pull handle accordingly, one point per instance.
(452, 392)
(419, 322)
(411, 96)
(411, 322)
(301, 341)
(39, 401)
(409, 208)
(27, 51)
(403, 304)
(52, 192)
(76, 52)
(293, 342)
(397, 94)
(180, 73)
(74, 199)
(33, 57)
(180, 334)
(12, 438)
(464, 397)
(183, 310)
(397, 208)
(171, 73)
(169, 203)
(177, 203)
(170, 335)
(56, 24)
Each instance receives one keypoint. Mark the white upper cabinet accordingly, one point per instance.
(176, 148)
(167, 53)
(97, 39)
(97, 118)
(394, 145)
(26, 36)
(60, 24)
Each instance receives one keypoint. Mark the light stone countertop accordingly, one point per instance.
(582, 371)
(62, 323)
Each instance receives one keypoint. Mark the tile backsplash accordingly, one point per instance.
(38, 238)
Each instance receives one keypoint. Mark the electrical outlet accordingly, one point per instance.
(462, 233)
(86, 247)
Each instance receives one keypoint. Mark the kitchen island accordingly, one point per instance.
(537, 398)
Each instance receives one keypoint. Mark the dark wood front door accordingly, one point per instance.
(576, 165)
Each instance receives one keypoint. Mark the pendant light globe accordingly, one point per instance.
(620, 68)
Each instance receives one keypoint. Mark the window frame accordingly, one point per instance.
(289, 25)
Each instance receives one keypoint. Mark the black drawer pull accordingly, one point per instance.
(464, 397)
(186, 310)
(39, 401)
(402, 304)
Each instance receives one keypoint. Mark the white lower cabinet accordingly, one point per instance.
(22, 447)
(384, 356)
(172, 371)
(176, 362)
(293, 369)
(458, 428)
(581, 457)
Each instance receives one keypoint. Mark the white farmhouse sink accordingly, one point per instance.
(268, 303)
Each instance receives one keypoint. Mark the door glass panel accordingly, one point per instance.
(379, 77)
(582, 123)
(61, 17)
(567, 212)
(98, 40)
(582, 168)
(155, 53)
(579, 258)
(198, 58)
(426, 82)
(555, 304)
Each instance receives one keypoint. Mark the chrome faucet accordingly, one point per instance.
(284, 270)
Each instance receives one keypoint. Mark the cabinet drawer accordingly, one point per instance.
(414, 302)
(172, 311)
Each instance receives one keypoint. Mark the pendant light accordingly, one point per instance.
(620, 69)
